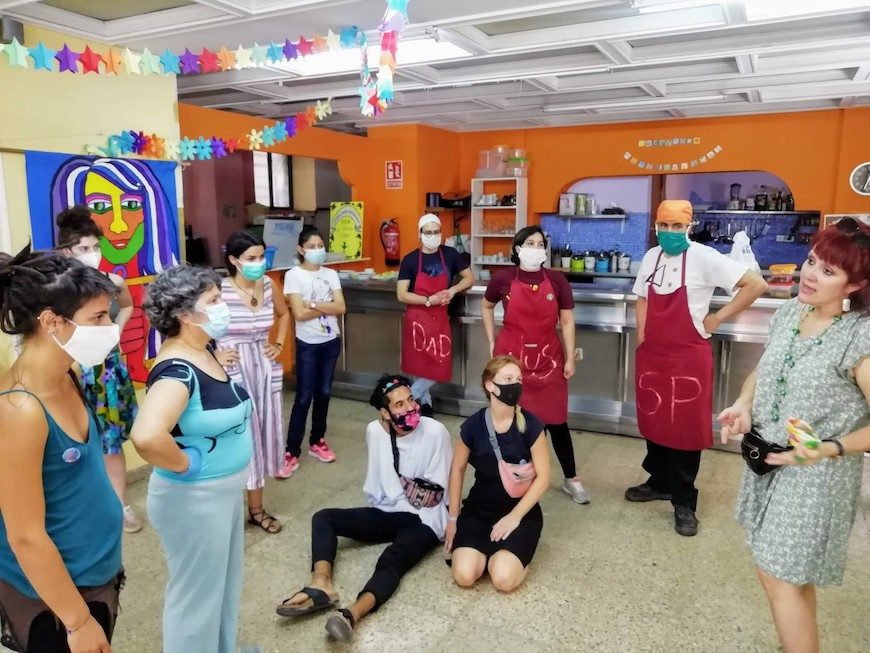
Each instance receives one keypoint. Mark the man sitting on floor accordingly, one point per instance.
(409, 460)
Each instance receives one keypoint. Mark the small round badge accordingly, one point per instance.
(549, 297)
(71, 455)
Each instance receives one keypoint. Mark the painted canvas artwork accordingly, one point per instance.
(134, 203)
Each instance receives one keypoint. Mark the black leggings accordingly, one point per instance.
(564, 448)
(410, 541)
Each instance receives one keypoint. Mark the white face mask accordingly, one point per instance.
(431, 242)
(316, 256)
(531, 258)
(90, 345)
(91, 259)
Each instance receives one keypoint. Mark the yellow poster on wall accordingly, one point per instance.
(346, 229)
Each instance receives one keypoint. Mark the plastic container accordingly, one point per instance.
(483, 173)
(515, 171)
(270, 256)
(516, 153)
(780, 290)
(781, 273)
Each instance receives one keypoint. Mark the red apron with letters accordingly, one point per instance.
(529, 334)
(674, 373)
(427, 346)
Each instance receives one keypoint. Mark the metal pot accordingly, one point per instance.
(624, 262)
(578, 263)
(590, 259)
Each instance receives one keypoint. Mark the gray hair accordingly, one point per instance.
(175, 292)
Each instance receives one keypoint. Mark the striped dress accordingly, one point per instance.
(263, 379)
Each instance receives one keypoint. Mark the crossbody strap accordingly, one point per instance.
(490, 427)
(395, 448)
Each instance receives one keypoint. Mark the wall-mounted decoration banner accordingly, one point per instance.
(643, 164)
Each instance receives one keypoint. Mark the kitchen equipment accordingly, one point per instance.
(591, 204)
(733, 205)
(556, 258)
(578, 263)
(589, 259)
(567, 204)
(566, 256)
(433, 200)
(580, 206)
(762, 201)
(602, 263)
(735, 192)
(624, 262)
(614, 260)
(782, 272)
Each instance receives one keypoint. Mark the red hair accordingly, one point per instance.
(837, 247)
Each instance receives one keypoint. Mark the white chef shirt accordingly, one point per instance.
(706, 270)
(424, 453)
(317, 286)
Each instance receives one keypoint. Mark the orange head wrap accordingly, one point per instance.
(674, 211)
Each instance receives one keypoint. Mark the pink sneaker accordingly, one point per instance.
(290, 465)
(322, 452)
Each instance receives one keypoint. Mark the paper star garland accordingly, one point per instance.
(170, 63)
(203, 148)
(232, 145)
(290, 126)
(187, 149)
(333, 41)
(125, 142)
(289, 50)
(218, 147)
(156, 146)
(323, 109)
(17, 53)
(208, 61)
(226, 60)
(90, 61)
(320, 44)
(112, 61)
(67, 59)
(42, 57)
(131, 62)
(150, 63)
(189, 62)
(348, 36)
(170, 150)
(243, 57)
(258, 55)
(268, 136)
(281, 132)
(305, 47)
(139, 141)
(274, 52)
(255, 139)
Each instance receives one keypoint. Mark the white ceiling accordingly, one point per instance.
(603, 56)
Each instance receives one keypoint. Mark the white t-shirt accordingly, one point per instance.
(424, 453)
(706, 270)
(314, 286)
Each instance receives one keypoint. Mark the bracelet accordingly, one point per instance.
(70, 631)
(841, 450)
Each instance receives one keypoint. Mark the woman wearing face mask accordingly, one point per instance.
(535, 301)
(60, 522)
(251, 359)
(426, 288)
(500, 523)
(315, 297)
(815, 367)
(107, 386)
(194, 427)
(674, 362)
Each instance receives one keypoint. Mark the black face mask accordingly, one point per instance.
(510, 392)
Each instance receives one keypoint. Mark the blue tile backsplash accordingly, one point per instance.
(629, 235)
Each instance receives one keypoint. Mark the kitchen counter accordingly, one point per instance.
(601, 394)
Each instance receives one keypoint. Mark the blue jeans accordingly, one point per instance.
(315, 369)
(420, 390)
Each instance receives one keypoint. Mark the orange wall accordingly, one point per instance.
(813, 152)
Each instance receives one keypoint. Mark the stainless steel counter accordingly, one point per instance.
(601, 394)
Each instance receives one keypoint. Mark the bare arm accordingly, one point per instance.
(335, 307)
(404, 295)
(466, 280)
(737, 418)
(22, 503)
(487, 313)
(566, 321)
(461, 452)
(750, 287)
(125, 301)
(282, 319)
(158, 415)
(541, 459)
(640, 318)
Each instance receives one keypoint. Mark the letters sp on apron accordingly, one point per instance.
(674, 373)
(427, 345)
(529, 333)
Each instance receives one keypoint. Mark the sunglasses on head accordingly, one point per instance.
(852, 228)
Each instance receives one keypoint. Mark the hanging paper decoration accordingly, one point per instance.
(67, 59)
(112, 62)
(376, 91)
(41, 55)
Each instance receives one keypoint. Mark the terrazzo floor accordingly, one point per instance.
(610, 576)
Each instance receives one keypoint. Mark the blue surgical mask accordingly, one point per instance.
(218, 320)
(253, 270)
(673, 242)
(316, 256)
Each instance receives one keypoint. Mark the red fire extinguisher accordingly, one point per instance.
(390, 242)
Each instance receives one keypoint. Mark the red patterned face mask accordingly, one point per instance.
(406, 422)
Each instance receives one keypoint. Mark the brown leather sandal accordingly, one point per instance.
(266, 521)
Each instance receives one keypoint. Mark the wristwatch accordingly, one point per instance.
(428, 303)
(313, 304)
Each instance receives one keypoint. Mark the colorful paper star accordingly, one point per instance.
(333, 40)
(390, 41)
(281, 134)
(387, 61)
(203, 148)
(17, 53)
(189, 62)
(155, 146)
(349, 36)
(131, 62)
(170, 62)
(150, 63)
(290, 126)
(113, 61)
(187, 149)
(243, 57)
(398, 5)
(208, 61)
(146, 145)
(258, 55)
(125, 142)
(90, 61)
(268, 136)
(66, 58)
(301, 122)
(226, 60)
(305, 47)
(320, 44)
(274, 52)
(232, 144)
(255, 139)
(289, 49)
(139, 141)
(170, 150)
(218, 147)
(393, 21)
(42, 57)
(323, 109)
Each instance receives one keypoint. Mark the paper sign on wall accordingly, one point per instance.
(346, 228)
(394, 174)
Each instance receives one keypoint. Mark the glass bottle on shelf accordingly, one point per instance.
(789, 202)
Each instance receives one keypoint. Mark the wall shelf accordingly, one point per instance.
(479, 262)
(484, 219)
(750, 213)
(490, 208)
(493, 236)
(590, 216)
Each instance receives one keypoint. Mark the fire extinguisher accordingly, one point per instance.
(390, 242)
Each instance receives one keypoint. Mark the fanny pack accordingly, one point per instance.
(419, 492)
(754, 449)
(515, 477)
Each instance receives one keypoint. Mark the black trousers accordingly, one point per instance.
(564, 448)
(410, 541)
(673, 471)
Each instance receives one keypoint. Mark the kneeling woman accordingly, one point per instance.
(501, 520)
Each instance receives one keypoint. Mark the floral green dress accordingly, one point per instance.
(798, 519)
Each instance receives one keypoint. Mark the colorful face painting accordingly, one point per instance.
(134, 203)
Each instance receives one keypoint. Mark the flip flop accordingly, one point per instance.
(340, 625)
(320, 600)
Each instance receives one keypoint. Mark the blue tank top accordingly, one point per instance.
(216, 420)
(83, 516)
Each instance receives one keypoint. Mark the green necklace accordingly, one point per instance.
(789, 361)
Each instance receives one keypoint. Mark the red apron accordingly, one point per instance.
(427, 346)
(674, 373)
(529, 334)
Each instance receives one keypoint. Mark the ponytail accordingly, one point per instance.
(521, 419)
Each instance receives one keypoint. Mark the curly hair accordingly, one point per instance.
(384, 386)
(175, 292)
(74, 224)
(31, 282)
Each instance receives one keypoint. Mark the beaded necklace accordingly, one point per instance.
(789, 360)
